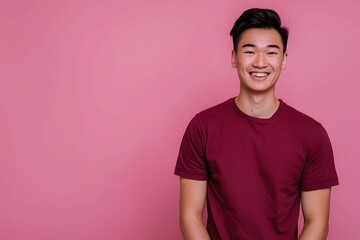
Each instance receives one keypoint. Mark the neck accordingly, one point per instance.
(257, 105)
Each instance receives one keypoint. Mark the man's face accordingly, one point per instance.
(259, 59)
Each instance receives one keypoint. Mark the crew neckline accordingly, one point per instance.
(277, 113)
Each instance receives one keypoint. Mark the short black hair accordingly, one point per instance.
(258, 18)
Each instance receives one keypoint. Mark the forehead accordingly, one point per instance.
(260, 37)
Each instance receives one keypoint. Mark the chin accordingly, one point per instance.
(259, 89)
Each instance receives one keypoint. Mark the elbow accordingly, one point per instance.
(317, 228)
(186, 217)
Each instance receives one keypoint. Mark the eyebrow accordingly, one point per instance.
(268, 46)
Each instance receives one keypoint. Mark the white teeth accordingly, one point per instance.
(259, 74)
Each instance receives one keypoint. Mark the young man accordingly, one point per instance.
(253, 158)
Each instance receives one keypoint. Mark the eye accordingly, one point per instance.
(249, 52)
(272, 53)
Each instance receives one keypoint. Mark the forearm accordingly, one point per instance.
(314, 231)
(192, 228)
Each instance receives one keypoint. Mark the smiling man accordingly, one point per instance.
(254, 159)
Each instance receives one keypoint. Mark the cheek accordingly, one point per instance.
(243, 63)
(277, 64)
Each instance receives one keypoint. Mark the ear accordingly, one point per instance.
(233, 59)
(283, 65)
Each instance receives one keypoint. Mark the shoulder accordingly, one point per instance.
(215, 112)
(211, 119)
(304, 126)
(300, 119)
(312, 132)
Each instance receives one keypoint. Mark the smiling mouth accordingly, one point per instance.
(259, 74)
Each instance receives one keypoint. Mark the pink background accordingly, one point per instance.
(95, 97)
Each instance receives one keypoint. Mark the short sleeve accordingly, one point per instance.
(319, 171)
(191, 162)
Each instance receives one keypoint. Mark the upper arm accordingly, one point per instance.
(192, 197)
(316, 205)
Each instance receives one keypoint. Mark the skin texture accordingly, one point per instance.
(192, 202)
(259, 61)
(315, 206)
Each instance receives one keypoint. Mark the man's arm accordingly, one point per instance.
(315, 206)
(192, 202)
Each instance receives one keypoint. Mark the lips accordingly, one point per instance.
(259, 74)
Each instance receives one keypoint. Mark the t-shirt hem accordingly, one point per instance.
(323, 185)
(190, 175)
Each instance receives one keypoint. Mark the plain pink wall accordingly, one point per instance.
(95, 97)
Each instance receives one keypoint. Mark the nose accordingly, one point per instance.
(260, 61)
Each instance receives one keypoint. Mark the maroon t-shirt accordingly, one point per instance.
(255, 169)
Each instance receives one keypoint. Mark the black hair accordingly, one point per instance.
(258, 18)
